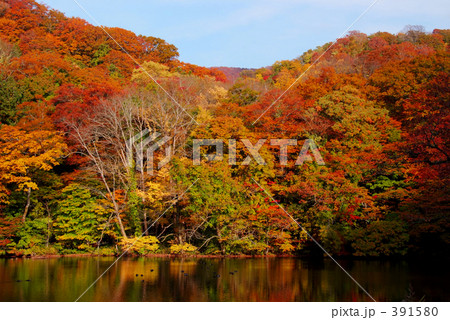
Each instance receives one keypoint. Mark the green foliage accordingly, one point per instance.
(40, 251)
(247, 245)
(77, 219)
(11, 95)
(101, 52)
(106, 251)
(141, 246)
(242, 96)
(134, 205)
(44, 85)
(34, 233)
(237, 218)
(383, 183)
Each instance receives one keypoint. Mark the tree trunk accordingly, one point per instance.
(145, 223)
(119, 221)
(116, 209)
(179, 227)
(47, 242)
(219, 236)
(27, 207)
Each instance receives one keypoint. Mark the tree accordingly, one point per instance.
(30, 146)
(426, 120)
(77, 223)
(8, 228)
(380, 238)
(156, 49)
(11, 95)
(103, 138)
(7, 52)
(397, 81)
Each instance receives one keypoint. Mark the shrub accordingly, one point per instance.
(105, 251)
(33, 234)
(141, 246)
(77, 220)
(182, 248)
(40, 251)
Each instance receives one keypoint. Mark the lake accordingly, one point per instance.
(256, 279)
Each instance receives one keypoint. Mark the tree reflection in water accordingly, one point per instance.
(262, 279)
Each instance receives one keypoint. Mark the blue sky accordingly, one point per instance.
(254, 33)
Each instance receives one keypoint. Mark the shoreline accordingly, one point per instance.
(153, 255)
(211, 256)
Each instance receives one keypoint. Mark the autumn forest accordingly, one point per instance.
(73, 94)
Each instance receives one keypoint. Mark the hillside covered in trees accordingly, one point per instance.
(71, 96)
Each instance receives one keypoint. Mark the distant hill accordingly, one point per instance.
(232, 73)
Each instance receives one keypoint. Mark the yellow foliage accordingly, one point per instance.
(155, 70)
(155, 189)
(141, 246)
(182, 248)
(287, 247)
(284, 80)
(23, 151)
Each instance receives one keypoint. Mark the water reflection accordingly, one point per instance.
(265, 279)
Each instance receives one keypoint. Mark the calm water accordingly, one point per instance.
(264, 279)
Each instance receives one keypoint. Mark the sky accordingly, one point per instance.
(254, 33)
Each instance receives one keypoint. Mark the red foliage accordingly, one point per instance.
(8, 227)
